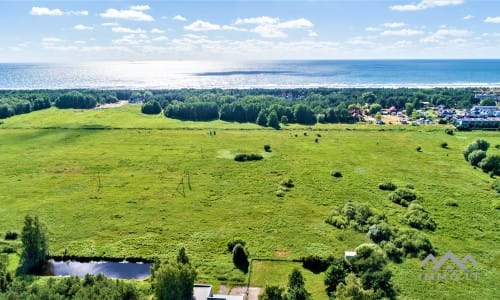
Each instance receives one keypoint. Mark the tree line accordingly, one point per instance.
(242, 105)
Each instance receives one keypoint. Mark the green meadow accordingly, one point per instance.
(116, 183)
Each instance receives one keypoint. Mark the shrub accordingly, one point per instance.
(449, 131)
(496, 186)
(151, 107)
(336, 174)
(288, 183)
(419, 149)
(272, 292)
(280, 193)
(491, 164)
(335, 274)
(444, 145)
(267, 148)
(418, 217)
(240, 257)
(11, 235)
(475, 157)
(442, 121)
(379, 233)
(360, 216)
(414, 244)
(232, 243)
(452, 203)
(402, 197)
(387, 186)
(337, 221)
(247, 157)
(392, 252)
(478, 144)
(316, 264)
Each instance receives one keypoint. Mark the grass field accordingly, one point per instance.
(118, 192)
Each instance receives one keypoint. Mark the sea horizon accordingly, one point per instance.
(247, 74)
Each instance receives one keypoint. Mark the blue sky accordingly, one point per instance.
(37, 31)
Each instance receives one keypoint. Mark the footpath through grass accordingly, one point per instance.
(152, 185)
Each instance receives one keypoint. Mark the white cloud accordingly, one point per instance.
(160, 38)
(492, 20)
(127, 30)
(51, 40)
(372, 29)
(45, 11)
(80, 42)
(179, 18)
(425, 4)
(296, 24)
(110, 24)
(394, 24)
(269, 31)
(312, 33)
(82, 27)
(140, 7)
(132, 39)
(468, 17)
(270, 27)
(357, 41)
(401, 32)
(156, 30)
(257, 20)
(131, 15)
(443, 34)
(200, 25)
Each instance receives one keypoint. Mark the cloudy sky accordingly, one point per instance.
(37, 31)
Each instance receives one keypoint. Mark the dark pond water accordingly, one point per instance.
(123, 270)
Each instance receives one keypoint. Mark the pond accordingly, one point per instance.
(122, 270)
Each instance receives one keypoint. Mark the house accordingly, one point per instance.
(482, 96)
(205, 292)
(349, 254)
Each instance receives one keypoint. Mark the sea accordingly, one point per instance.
(251, 74)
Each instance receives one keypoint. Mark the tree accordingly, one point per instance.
(476, 156)
(375, 108)
(379, 233)
(272, 120)
(272, 292)
(304, 115)
(409, 108)
(335, 274)
(35, 252)
(488, 102)
(151, 107)
(369, 97)
(353, 290)
(182, 257)
(261, 118)
(174, 281)
(240, 257)
(284, 120)
(296, 287)
(491, 164)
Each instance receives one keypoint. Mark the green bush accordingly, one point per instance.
(240, 257)
(417, 217)
(337, 221)
(478, 144)
(336, 174)
(496, 186)
(476, 156)
(444, 145)
(449, 131)
(288, 183)
(392, 252)
(316, 264)
(11, 235)
(414, 244)
(387, 186)
(267, 148)
(379, 233)
(234, 242)
(247, 157)
(151, 107)
(402, 197)
(491, 164)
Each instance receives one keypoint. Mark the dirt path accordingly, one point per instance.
(113, 105)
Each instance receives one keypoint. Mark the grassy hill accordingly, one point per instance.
(147, 185)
